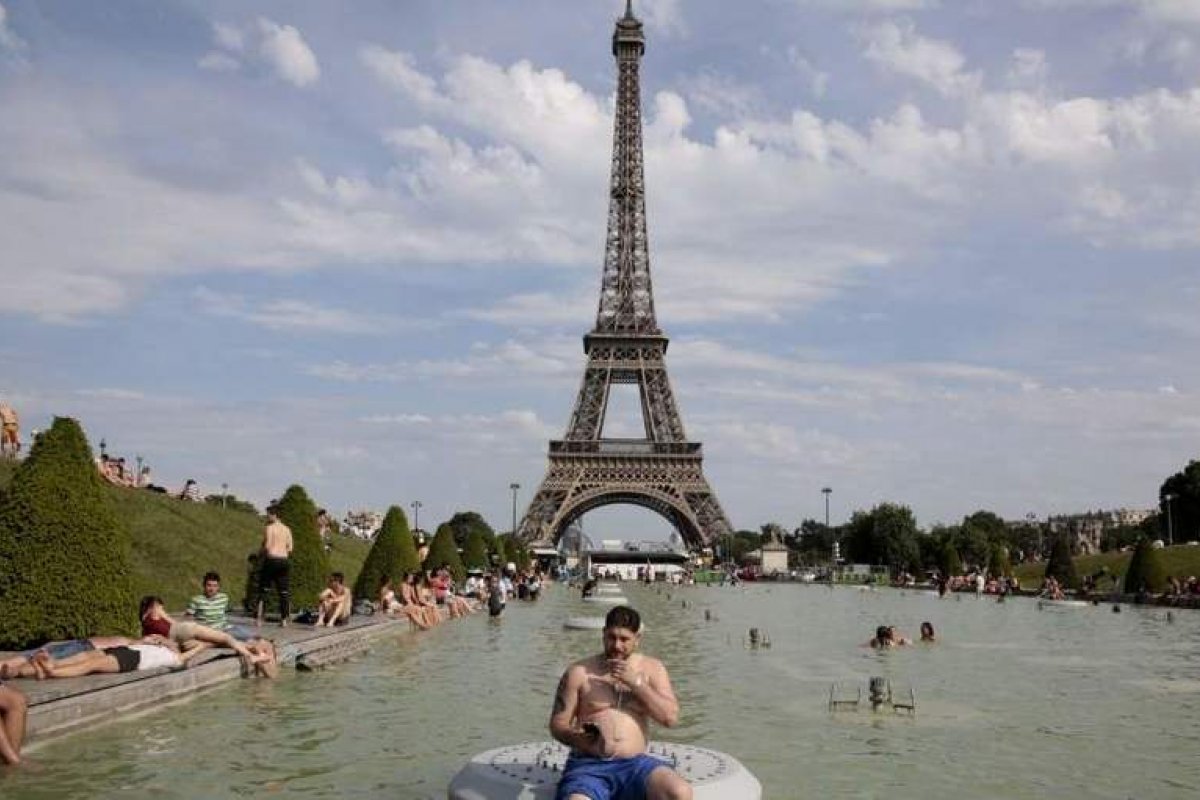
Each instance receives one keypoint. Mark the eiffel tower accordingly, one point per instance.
(662, 471)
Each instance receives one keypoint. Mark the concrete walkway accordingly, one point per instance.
(64, 704)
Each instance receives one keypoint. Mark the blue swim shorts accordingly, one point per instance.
(607, 778)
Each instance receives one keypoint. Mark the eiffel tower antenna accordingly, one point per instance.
(662, 470)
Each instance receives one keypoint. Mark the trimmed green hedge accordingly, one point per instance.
(392, 554)
(475, 554)
(64, 554)
(1061, 566)
(442, 550)
(310, 566)
(1145, 569)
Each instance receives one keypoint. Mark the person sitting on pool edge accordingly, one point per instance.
(335, 602)
(602, 709)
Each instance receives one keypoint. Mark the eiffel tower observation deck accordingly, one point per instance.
(663, 470)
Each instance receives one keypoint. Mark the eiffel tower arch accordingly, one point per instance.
(663, 470)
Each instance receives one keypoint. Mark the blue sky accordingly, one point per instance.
(941, 253)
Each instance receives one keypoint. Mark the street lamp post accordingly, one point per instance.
(416, 507)
(224, 493)
(514, 487)
(1167, 498)
(836, 545)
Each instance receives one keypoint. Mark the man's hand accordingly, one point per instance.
(627, 676)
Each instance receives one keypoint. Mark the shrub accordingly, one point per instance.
(950, 563)
(999, 564)
(392, 554)
(1145, 569)
(1060, 566)
(464, 522)
(64, 554)
(475, 554)
(310, 565)
(516, 551)
(443, 551)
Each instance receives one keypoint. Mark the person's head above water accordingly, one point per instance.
(927, 634)
(883, 633)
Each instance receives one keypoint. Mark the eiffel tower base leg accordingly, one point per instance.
(672, 486)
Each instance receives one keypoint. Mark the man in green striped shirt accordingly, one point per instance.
(212, 607)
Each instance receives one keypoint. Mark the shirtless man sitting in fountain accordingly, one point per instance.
(602, 710)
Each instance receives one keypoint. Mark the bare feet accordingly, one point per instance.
(42, 665)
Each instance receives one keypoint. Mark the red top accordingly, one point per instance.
(440, 584)
(156, 627)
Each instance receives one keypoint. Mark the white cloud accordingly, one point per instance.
(293, 315)
(1028, 66)
(898, 47)
(215, 61)
(285, 50)
(8, 38)
(281, 48)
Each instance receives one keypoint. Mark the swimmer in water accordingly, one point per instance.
(886, 637)
(927, 634)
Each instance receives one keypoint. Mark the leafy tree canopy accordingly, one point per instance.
(464, 522)
(1184, 489)
(887, 534)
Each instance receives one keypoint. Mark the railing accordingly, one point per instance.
(632, 447)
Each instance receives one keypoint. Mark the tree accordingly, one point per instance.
(464, 522)
(475, 554)
(950, 564)
(516, 550)
(442, 550)
(999, 564)
(1145, 570)
(64, 554)
(1060, 566)
(389, 554)
(310, 566)
(887, 534)
(231, 502)
(1184, 489)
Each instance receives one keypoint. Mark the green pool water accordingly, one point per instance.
(1015, 702)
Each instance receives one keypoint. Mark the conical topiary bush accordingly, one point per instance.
(475, 554)
(1060, 566)
(310, 566)
(64, 555)
(389, 555)
(443, 551)
(1145, 570)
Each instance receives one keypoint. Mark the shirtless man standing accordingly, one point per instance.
(10, 430)
(602, 710)
(274, 567)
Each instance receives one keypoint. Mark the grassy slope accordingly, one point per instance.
(176, 542)
(1179, 560)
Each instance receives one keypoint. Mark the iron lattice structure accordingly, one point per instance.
(662, 471)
